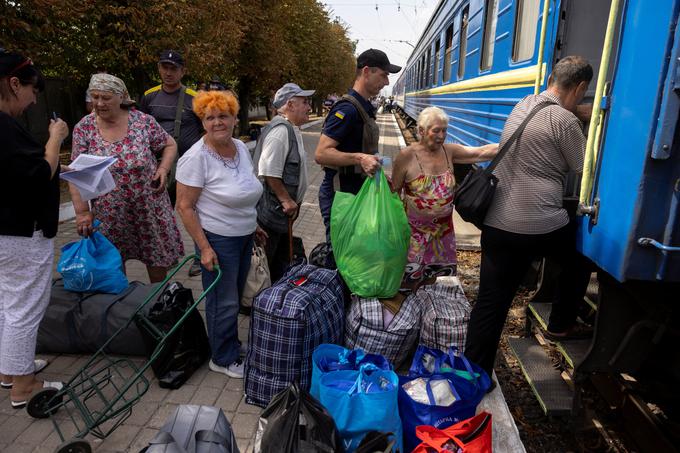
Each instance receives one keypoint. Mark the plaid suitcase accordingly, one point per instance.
(289, 320)
(445, 314)
(364, 328)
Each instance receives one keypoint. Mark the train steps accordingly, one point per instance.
(548, 366)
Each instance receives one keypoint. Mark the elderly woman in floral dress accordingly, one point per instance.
(136, 216)
(424, 171)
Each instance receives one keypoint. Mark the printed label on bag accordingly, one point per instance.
(76, 276)
(300, 281)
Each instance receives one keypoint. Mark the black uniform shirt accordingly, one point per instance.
(344, 125)
(163, 106)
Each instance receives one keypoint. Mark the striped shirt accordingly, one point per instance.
(528, 198)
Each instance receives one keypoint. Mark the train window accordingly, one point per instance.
(489, 34)
(428, 68)
(447, 54)
(422, 72)
(436, 63)
(462, 48)
(526, 20)
(416, 75)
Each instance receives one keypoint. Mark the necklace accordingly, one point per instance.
(231, 163)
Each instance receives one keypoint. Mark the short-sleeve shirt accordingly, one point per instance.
(345, 126)
(31, 192)
(163, 106)
(228, 197)
(532, 175)
(275, 152)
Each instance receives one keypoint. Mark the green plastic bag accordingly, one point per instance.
(370, 236)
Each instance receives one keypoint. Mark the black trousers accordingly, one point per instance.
(506, 258)
(278, 254)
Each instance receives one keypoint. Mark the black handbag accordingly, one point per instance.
(475, 194)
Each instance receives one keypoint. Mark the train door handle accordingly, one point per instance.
(649, 242)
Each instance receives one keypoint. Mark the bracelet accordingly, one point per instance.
(166, 170)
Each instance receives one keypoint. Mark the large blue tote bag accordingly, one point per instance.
(468, 381)
(361, 401)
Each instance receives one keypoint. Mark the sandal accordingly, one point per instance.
(46, 384)
(40, 364)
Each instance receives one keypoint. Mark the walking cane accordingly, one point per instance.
(291, 220)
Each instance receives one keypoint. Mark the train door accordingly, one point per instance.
(581, 32)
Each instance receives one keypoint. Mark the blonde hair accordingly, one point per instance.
(220, 100)
(431, 115)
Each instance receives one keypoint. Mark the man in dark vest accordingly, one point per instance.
(280, 160)
(349, 139)
(171, 104)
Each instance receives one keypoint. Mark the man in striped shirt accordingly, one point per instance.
(526, 219)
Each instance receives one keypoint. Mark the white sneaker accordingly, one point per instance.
(235, 370)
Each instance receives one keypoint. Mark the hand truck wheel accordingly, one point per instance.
(38, 405)
(74, 446)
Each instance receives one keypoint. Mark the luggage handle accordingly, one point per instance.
(454, 353)
(363, 370)
(442, 436)
(210, 436)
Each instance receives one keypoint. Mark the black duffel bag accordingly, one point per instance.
(475, 194)
(76, 323)
(187, 348)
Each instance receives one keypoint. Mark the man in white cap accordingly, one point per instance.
(280, 159)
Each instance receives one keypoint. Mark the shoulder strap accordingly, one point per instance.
(516, 135)
(360, 108)
(178, 112)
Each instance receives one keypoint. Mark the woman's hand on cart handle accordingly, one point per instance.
(84, 222)
(209, 259)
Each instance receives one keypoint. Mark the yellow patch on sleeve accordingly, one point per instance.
(340, 115)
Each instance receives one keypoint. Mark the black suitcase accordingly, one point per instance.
(77, 323)
(194, 429)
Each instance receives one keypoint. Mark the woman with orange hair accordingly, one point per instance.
(217, 192)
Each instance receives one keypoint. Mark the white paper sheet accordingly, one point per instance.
(91, 175)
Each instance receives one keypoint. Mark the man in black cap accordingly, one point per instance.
(171, 104)
(349, 138)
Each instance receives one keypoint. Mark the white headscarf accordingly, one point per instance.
(110, 83)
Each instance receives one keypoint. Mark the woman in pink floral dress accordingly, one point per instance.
(424, 171)
(136, 216)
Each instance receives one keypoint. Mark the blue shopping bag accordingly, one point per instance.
(428, 361)
(361, 401)
(469, 382)
(333, 357)
(92, 264)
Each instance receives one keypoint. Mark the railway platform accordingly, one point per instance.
(21, 433)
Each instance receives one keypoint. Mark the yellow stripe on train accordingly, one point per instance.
(514, 78)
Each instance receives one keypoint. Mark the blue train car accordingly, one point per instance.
(478, 58)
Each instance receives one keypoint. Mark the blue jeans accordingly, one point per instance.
(222, 303)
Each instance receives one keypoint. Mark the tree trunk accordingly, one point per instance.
(244, 87)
